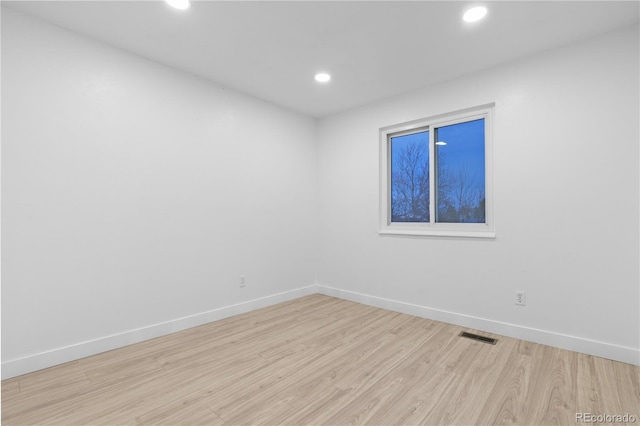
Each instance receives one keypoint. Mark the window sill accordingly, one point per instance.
(438, 233)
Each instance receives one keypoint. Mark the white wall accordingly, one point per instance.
(566, 188)
(135, 195)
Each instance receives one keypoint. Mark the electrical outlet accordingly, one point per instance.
(521, 299)
(243, 281)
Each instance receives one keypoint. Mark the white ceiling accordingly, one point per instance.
(373, 49)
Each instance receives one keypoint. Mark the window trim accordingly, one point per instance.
(473, 230)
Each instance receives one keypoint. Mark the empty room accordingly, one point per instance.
(320, 212)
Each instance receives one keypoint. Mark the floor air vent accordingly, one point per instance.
(479, 338)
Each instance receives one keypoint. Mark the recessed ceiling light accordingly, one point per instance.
(475, 14)
(322, 77)
(179, 4)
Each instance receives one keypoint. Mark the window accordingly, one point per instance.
(435, 176)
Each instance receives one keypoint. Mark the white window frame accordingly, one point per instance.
(474, 230)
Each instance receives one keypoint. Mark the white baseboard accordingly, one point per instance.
(17, 367)
(545, 337)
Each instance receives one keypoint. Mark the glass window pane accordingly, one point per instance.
(410, 177)
(460, 167)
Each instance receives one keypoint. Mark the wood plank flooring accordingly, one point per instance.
(319, 360)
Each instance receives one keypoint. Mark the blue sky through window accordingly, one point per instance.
(460, 174)
(410, 177)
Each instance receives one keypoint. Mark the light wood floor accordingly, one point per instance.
(320, 360)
